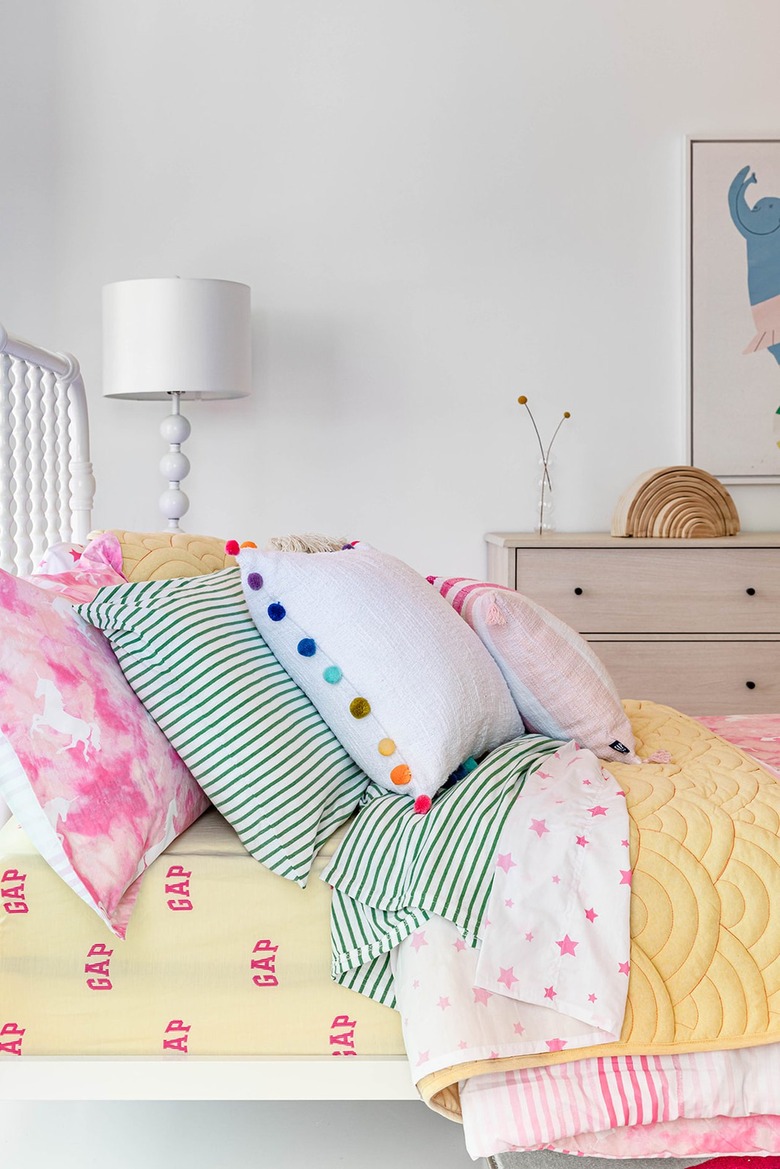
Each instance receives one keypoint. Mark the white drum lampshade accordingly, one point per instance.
(176, 338)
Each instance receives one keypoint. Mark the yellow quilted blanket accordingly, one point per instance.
(705, 902)
(163, 555)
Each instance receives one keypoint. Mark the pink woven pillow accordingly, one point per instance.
(84, 769)
(559, 685)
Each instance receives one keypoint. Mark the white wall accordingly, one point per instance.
(27, 181)
(439, 204)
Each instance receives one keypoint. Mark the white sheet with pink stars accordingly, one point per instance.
(552, 967)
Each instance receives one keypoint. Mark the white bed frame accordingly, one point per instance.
(46, 483)
(46, 494)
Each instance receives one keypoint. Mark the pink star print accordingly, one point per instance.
(567, 945)
(591, 998)
(586, 783)
(519, 1029)
(463, 1044)
(423, 1057)
(529, 937)
(459, 945)
(550, 992)
(556, 880)
(76, 555)
(624, 967)
(591, 914)
(418, 940)
(582, 841)
(598, 810)
(556, 1044)
(444, 1003)
(624, 843)
(539, 827)
(416, 984)
(494, 1055)
(481, 995)
(505, 862)
(507, 976)
(625, 876)
(509, 903)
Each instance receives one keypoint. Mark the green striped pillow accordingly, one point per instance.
(249, 735)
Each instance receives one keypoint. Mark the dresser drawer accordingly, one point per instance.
(697, 677)
(655, 590)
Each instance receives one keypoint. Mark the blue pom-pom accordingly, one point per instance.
(307, 647)
(277, 612)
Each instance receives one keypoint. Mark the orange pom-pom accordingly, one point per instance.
(232, 548)
(249, 544)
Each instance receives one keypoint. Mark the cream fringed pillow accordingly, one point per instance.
(404, 684)
(559, 685)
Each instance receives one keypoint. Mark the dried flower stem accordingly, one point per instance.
(546, 480)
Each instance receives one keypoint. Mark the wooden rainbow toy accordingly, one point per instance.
(676, 502)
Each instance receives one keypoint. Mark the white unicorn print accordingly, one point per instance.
(169, 834)
(57, 719)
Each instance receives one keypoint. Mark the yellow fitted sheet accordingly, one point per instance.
(222, 957)
(705, 902)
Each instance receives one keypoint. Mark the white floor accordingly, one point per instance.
(228, 1135)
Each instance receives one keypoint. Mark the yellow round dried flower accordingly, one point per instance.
(522, 399)
(566, 414)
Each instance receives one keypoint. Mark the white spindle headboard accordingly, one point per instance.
(46, 483)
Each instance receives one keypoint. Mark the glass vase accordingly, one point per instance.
(544, 517)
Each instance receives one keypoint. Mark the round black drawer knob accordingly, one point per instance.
(750, 592)
(750, 685)
(578, 591)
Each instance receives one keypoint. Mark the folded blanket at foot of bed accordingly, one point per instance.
(705, 909)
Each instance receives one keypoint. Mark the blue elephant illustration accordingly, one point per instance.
(759, 225)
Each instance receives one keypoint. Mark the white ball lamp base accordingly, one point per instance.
(174, 466)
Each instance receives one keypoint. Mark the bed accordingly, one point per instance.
(222, 979)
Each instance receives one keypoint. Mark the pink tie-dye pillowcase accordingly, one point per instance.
(83, 767)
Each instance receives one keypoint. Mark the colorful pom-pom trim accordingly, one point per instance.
(248, 544)
(422, 805)
(277, 612)
(307, 647)
(232, 548)
(255, 581)
(401, 775)
(359, 707)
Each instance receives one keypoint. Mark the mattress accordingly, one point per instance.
(222, 958)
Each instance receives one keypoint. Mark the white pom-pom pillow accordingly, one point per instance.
(560, 686)
(404, 684)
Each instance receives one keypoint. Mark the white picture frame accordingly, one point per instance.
(733, 375)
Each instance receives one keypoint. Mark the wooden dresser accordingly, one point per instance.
(691, 623)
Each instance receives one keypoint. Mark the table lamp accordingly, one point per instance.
(176, 338)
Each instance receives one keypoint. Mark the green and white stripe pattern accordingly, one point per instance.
(249, 735)
(395, 869)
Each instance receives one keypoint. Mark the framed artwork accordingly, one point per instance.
(733, 295)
